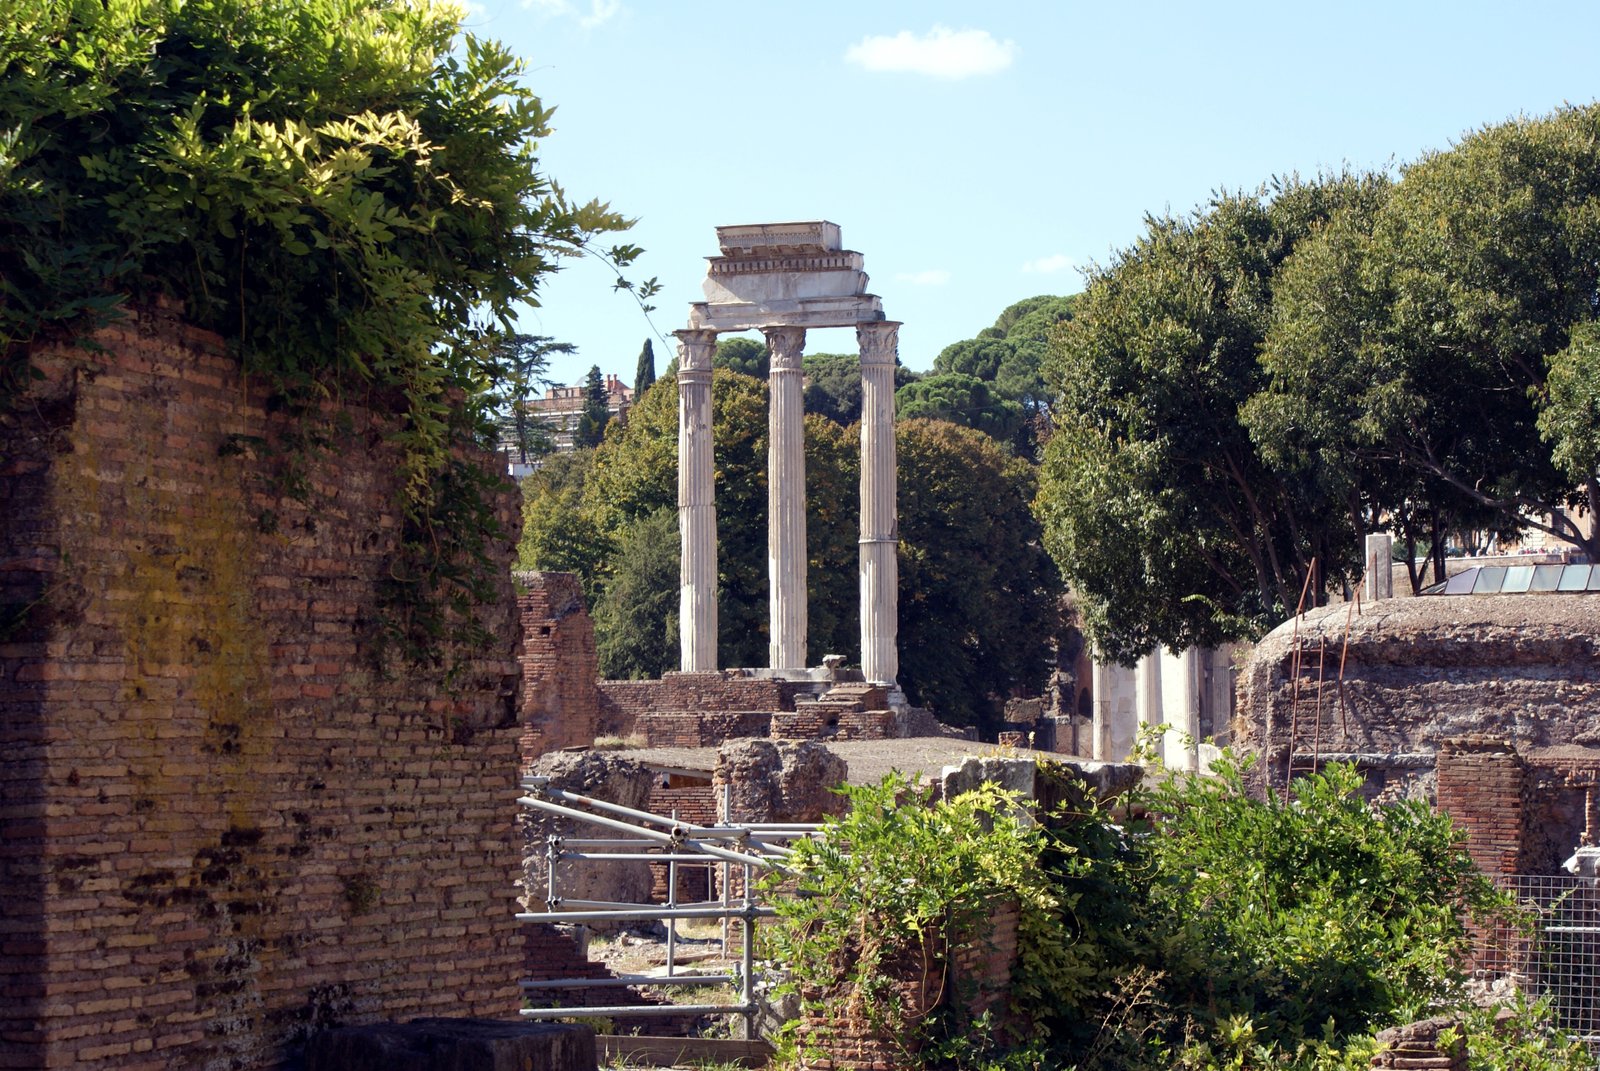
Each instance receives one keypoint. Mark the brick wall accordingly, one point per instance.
(1481, 782)
(695, 803)
(706, 729)
(560, 704)
(623, 702)
(224, 823)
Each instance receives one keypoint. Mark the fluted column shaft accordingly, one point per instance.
(1181, 678)
(880, 534)
(697, 511)
(1147, 697)
(786, 499)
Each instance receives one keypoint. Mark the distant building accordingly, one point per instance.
(560, 410)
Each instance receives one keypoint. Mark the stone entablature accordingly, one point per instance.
(793, 274)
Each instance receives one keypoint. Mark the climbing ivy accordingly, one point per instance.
(346, 190)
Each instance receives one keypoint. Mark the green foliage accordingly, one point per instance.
(1014, 404)
(596, 414)
(1530, 1040)
(1169, 523)
(1297, 912)
(743, 355)
(558, 534)
(979, 597)
(346, 190)
(645, 374)
(1235, 934)
(833, 385)
(883, 890)
(1455, 301)
(521, 361)
(1569, 419)
(636, 617)
(962, 399)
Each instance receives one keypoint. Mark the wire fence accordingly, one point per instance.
(1559, 956)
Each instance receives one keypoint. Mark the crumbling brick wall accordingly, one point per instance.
(1481, 783)
(622, 703)
(228, 821)
(560, 701)
(700, 728)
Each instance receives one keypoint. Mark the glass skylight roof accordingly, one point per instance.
(1518, 580)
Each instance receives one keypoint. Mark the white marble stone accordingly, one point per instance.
(880, 526)
(1115, 711)
(793, 274)
(697, 514)
(786, 500)
(1181, 695)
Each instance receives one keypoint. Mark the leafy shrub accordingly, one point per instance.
(1307, 911)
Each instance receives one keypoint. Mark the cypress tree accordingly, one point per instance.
(596, 410)
(645, 375)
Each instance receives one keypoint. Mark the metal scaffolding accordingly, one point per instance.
(1560, 958)
(735, 847)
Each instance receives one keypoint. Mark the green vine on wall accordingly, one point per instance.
(346, 190)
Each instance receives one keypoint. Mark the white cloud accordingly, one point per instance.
(941, 53)
(1049, 265)
(931, 277)
(599, 10)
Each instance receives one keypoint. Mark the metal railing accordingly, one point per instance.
(741, 848)
(1560, 958)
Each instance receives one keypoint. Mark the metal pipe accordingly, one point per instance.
(672, 902)
(606, 842)
(747, 962)
(614, 808)
(625, 1010)
(623, 980)
(732, 832)
(641, 857)
(648, 834)
(636, 916)
(551, 848)
(609, 905)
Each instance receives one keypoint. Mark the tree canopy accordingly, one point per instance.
(346, 190)
(1251, 389)
(596, 413)
(525, 359)
(645, 373)
(959, 398)
(1008, 357)
(1170, 525)
(1454, 319)
(743, 355)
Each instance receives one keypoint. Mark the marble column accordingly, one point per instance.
(697, 511)
(1182, 679)
(880, 531)
(1115, 711)
(786, 499)
(1147, 695)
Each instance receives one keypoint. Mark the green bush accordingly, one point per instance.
(1303, 910)
(1221, 933)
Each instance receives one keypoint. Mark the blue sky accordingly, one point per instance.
(977, 154)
